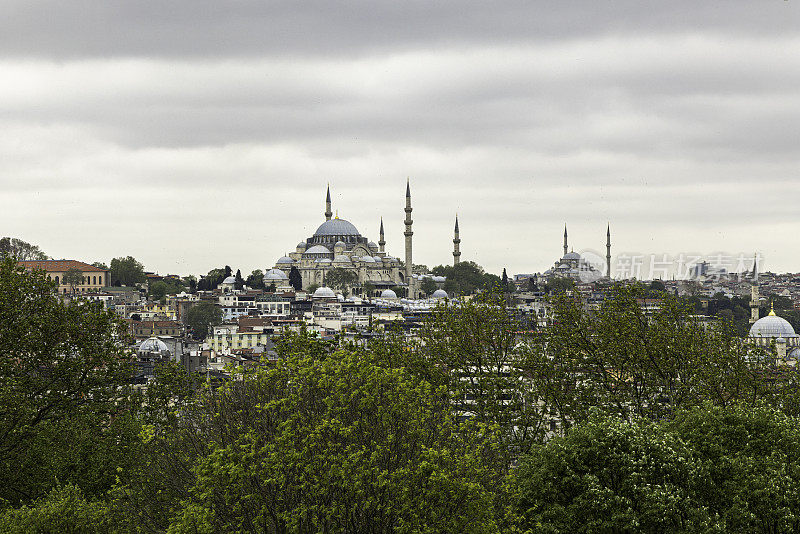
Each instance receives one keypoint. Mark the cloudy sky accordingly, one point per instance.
(192, 134)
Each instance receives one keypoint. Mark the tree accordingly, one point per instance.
(11, 247)
(341, 279)
(201, 316)
(295, 278)
(532, 284)
(465, 278)
(191, 282)
(238, 283)
(100, 265)
(255, 280)
(72, 277)
(610, 475)
(368, 289)
(64, 366)
(312, 288)
(559, 285)
(428, 286)
(168, 286)
(344, 443)
(127, 271)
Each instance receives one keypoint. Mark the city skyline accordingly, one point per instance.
(191, 136)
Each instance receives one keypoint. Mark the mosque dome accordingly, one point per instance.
(302, 245)
(439, 294)
(571, 256)
(368, 259)
(337, 227)
(772, 326)
(229, 280)
(275, 274)
(318, 249)
(388, 294)
(284, 259)
(324, 292)
(440, 279)
(153, 344)
(372, 244)
(341, 258)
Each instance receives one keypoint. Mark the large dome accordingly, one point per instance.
(337, 227)
(324, 292)
(275, 274)
(772, 326)
(153, 344)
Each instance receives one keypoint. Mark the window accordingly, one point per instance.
(57, 280)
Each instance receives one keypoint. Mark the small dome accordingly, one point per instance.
(339, 244)
(341, 258)
(275, 274)
(388, 294)
(368, 259)
(284, 259)
(439, 294)
(324, 292)
(153, 344)
(772, 326)
(440, 279)
(318, 249)
(372, 244)
(302, 245)
(230, 280)
(336, 227)
(324, 260)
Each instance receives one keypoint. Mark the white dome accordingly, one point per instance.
(439, 294)
(772, 326)
(230, 280)
(275, 274)
(388, 294)
(341, 258)
(318, 249)
(339, 244)
(368, 259)
(571, 256)
(284, 259)
(153, 344)
(337, 227)
(324, 292)
(440, 279)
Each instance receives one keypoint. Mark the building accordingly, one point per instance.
(92, 278)
(773, 330)
(337, 243)
(575, 267)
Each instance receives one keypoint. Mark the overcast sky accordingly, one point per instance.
(193, 134)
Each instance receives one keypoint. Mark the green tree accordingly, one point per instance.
(64, 367)
(611, 475)
(559, 285)
(465, 278)
(341, 279)
(100, 265)
(201, 316)
(72, 277)
(11, 247)
(428, 286)
(368, 289)
(339, 444)
(295, 278)
(65, 509)
(255, 280)
(312, 288)
(239, 281)
(127, 271)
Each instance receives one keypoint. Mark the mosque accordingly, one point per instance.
(575, 267)
(337, 243)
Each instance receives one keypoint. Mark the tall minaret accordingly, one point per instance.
(754, 296)
(408, 233)
(608, 251)
(328, 212)
(381, 241)
(456, 245)
(565, 240)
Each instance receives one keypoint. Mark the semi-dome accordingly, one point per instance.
(337, 227)
(318, 249)
(284, 259)
(341, 258)
(388, 294)
(772, 326)
(275, 274)
(153, 344)
(439, 294)
(324, 292)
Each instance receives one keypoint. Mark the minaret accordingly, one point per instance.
(381, 241)
(754, 296)
(565, 240)
(408, 233)
(456, 245)
(608, 251)
(328, 212)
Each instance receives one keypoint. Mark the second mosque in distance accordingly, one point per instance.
(338, 243)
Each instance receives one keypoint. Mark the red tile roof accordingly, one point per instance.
(61, 266)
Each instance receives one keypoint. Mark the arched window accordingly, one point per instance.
(94, 280)
(57, 282)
